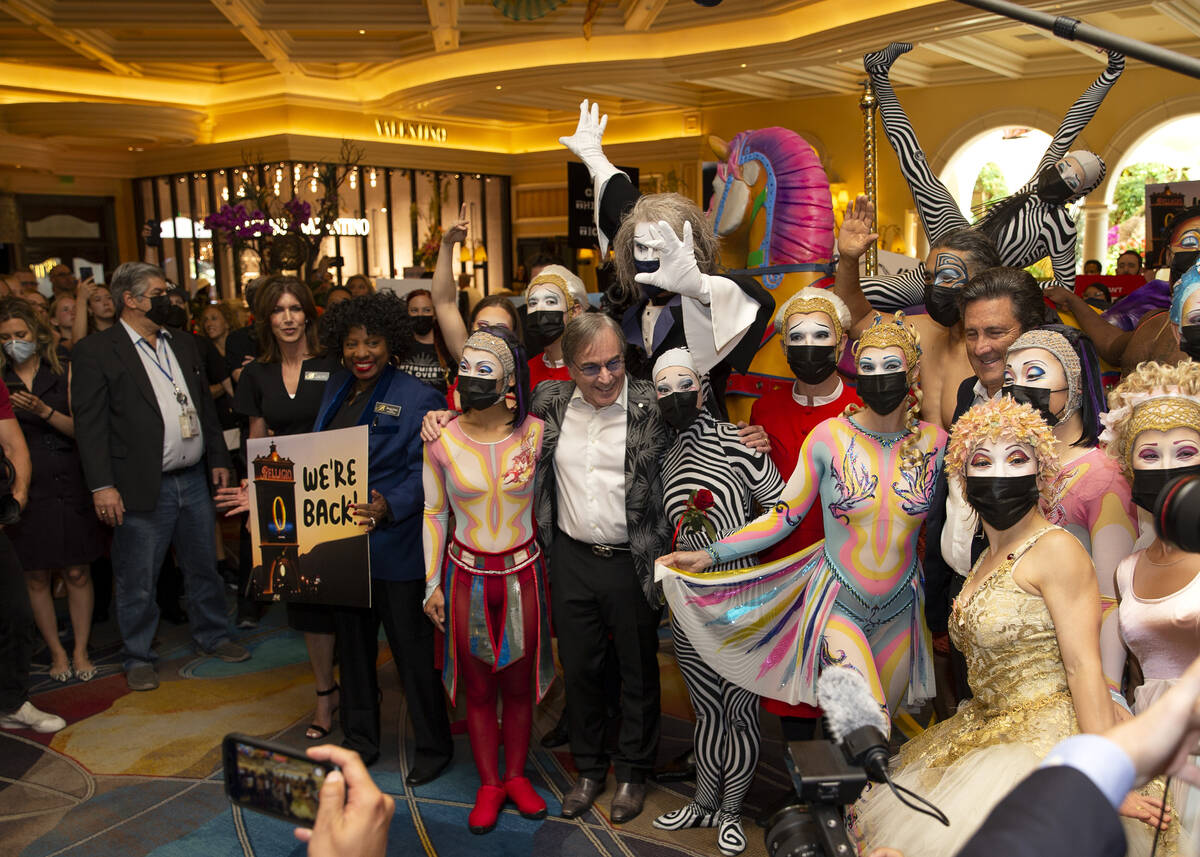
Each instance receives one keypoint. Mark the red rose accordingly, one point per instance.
(704, 500)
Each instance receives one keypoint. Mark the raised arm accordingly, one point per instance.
(83, 296)
(1081, 112)
(586, 144)
(444, 291)
(854, 238)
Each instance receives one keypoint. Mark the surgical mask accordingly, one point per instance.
(680, 409)
(160, 309)
(1148, 484)
(1037, 398)
(20, 350)
(1181, 262)
(1051, 187)
(544, 326)
(477, 394)
(812, 364)
(422, 325)
(1001, 501)
(176, 317)
(941, 302)
(1189, 340)
(883, 393)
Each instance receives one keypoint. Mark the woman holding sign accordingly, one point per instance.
(370, 333)
(495, 613)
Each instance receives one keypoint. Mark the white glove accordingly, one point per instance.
(585, 142)
(677, 270)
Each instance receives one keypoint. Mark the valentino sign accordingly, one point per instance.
(398, 129)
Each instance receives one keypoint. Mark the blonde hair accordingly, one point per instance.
(19, 308)
(674, 209)
(1152, 396)
(998, 419)
(896, 333)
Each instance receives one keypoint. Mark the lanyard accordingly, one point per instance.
(166, 370)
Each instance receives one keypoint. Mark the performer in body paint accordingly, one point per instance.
(493, 607)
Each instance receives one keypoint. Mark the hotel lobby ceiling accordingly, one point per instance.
(463, 62)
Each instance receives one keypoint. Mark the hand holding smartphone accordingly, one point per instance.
(273, 779)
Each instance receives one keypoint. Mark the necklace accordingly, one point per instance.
(1152, 561)
(886, 440)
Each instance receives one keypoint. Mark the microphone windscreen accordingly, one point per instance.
(847, 702)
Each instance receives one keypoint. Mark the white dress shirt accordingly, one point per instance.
(817, 401)
(161, 367)
(961, 521)
(589, 466)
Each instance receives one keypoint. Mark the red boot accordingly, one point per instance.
(529, 803)
(489, 800)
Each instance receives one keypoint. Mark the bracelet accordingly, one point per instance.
(49, 415)
(711, 550)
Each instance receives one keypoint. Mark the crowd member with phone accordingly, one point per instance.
(62, 322)
(58, 531)
(94, 309)
(353, 815)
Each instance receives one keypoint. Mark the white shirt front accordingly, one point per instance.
(589, 466)
(817, 401)
(166, 375)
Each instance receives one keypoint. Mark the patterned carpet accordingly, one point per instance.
(138, 774)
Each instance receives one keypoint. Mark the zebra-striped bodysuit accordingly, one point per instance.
(1036, 230)
(709, 454)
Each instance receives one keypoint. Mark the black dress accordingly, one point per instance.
(58, 528)
(260, 393)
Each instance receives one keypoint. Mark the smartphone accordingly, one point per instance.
(154, 239)
(85, 271)
(273, 779)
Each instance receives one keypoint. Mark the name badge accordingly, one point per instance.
(316, 376)
(385, 408)
(189, 423)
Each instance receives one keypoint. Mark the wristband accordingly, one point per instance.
(711, 550)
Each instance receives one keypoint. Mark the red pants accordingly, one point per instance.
(482, 683)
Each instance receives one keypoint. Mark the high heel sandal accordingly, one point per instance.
(315, 732)
(64, 676)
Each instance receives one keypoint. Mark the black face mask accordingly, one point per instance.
(1148, 484)
(422, 325)
(941, 302)
(1181, 262)
(1099, 303)
(176, 317)
(1051, 187)
(1037, 398)
(477, 394)
(812, 364)
(680, 409)
(883, 393)
(544, 326)
(645, 266)
(160, 309)
(1002, 500)
(1189, 340)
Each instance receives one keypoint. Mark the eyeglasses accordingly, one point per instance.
(592, 370)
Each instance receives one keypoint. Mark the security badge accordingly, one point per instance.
(189, 420)
(385, 408)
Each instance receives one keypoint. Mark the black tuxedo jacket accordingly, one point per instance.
(647, 439)
(118, 425)
(1053, 812)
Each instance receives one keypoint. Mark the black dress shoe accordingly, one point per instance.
(682, 767)
(427, 772)
(556, 737)
(627, 802)
(580, 798)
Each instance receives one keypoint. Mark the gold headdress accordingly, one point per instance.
(886, 333)
(813, 299)
(556, 275)
(494, 345)
(1153, 397)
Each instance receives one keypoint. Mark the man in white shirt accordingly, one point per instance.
(149, 438)
(600, 522)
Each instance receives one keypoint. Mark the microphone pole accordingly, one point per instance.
(1072, 29)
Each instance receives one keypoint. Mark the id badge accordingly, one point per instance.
(189, 423)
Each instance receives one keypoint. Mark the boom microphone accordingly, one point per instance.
(855, 719)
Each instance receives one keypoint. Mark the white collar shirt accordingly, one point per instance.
(166, 376)
(589, 468)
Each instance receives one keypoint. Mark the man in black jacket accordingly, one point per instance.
(148, 434)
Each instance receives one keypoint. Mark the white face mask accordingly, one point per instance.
(20, 350)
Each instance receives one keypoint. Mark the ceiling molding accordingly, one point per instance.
(443, 18)
(267, 43)
(85, 44)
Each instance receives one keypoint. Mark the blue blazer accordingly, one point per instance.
(394, 464)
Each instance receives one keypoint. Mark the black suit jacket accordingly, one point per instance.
(647, 439)
(1053, 812)
(118, 425)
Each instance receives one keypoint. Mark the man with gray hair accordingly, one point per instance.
(147, 432)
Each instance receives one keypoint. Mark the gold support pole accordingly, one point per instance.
(867, 104)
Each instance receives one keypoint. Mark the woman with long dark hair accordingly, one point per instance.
(495, 614)
(428, 359)
(58, 530)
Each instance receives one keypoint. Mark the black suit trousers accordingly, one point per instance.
(592, 598)
(398, 605)
(17, 631)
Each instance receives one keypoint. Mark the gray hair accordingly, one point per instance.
(585, 329)
(133, 278)
(675, 209)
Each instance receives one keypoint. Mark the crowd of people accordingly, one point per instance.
(962, 516)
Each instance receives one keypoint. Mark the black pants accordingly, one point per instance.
(410, 636)
(592, 598)
(17, 631)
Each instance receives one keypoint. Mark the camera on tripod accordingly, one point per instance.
(825, 782)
